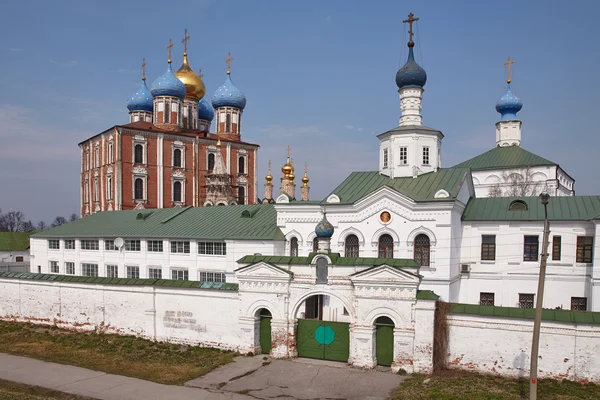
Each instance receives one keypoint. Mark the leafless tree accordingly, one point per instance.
(12, 221)
(58, 221)
(28, 226)
(41, 226)
(516, 183)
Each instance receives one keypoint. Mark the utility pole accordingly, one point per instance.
(544, 199)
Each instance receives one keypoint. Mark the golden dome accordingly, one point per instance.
(305, 179)
(287, 168)
(194, 86)
(269, 177)
(291, 176)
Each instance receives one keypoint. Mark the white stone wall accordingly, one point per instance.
(11, 256)
(414, 143)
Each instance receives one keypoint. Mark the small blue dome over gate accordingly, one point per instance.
(509, 105)
(168, 85)
(324, 228)
(141, 100)
(205, 110)
(228, 95)
(411, 75)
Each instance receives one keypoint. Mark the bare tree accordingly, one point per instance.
(58, 221)
(516, 183)
(28, 226)
(41, 226)
(73, 217)
(13, 221)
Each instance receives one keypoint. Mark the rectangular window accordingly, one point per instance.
(425, 155)
(54, 244)
(585, 249)
(556, 248)
(212, 248)
(403, 155)
(70, 268)
(133, 272)
(486, 299)
(180, 247)
(89, 269)
(110, 153)
(579, 303)
(54, 267)
(155, 246)
(385, 158)
(526, 300)
(89, 244)
(180, 274)
(155, 273)
(488, 247)
(132, 245)
(70, 244)
(109, 245)
(19, 259)
(112, 271)
(108, 188)
(531, 248)
(212, 277)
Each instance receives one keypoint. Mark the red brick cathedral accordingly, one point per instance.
(166, 155)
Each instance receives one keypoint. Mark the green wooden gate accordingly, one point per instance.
(265, 334)
(324, 340)
(384, 341)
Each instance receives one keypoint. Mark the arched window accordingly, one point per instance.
(351, 246)
(177, 191)
(167, 113)
(294, 247)
(139, 189)
(228, 123)
(422, 246)
(241, 165)
(177, 158)
(322, 272)
(211, 161)
(386, 246)
(241, 195)
(138, 157)
(315, 245)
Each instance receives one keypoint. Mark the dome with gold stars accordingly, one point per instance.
(194, 86)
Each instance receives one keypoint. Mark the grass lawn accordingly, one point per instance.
(18, 391)
(122, 355)
(458, 385)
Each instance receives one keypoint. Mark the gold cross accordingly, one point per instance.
(200, 73)
(185, 39)
(508, 63)
(410, 20)
(144, 69)
(269, 167)
(228, 61)
(169, 47)
(305, 168)
(289, 149)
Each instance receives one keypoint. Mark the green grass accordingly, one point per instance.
(459, 385)
(114, 354)
(19, 391)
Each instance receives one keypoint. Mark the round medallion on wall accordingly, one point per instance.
(385, 217)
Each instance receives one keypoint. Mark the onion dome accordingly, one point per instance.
(324, 228)
(168, 85)
(141, 100)
(509, 105)
(287, 169)
(411, 75)
(194, 86)
(205, 110)
(228, 95)
(305, 180)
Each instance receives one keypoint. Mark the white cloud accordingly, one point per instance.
(360, 129)
(349, 126)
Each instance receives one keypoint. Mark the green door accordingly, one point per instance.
(384, 344)
(324, 340)
(265, 334)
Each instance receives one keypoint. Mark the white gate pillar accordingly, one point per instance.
(362, 346)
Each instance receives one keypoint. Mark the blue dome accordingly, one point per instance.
(509, 105)
(168, 85)
(141, 100)
(324, 228)
(205, 110)
(411, 75)
(229, 96)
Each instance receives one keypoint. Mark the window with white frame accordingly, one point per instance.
(177, 191)
(133, 272)
(210, 161)
(138, 154)
(96, 192)
(88, 269)
(205, 276)
(241, 195)
(155, 246)
(89, 244)
(112, 271)
(180, 247)
(155, 273)
(110, 153)
(132, 245)
(54, 267)
(403, 155)
(385, 158)
(86, 191)
(177, 158)
(241, 165)
(54, 244)
(70, 244)
(97, 157)
(212, 248)
(69, 268)
(180, 274)
(138, 189)
(425, 155)
(109, 245)
(109, 189)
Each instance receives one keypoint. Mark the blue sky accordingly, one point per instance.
(318, 75)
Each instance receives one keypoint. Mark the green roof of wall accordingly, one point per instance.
(580, 317)
(244, 222)
(14, 241)
(427, 295)
(560, 208)
(335, 260)
(422, 188)
(121, 281)
(504, 157)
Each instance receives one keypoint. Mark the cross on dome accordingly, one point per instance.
(185, 39)
(169, 47)
(410, 20)
(144, 69)
(228, 61)
(508, 63)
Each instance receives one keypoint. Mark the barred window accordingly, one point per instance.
(212, 276)
(155, 246)
(112, 271)
(585, 249)
(133, 272)
(386, 246)
(70, 268)
(403, 156)
(352, 246)
(556, 248)
(425, 155)
(70, 244)
(54, 267)
(486, 299)
(132, 245)
(109, 245)
(526, 300)
(579, 303)
(294, 247)
(180, 247)
(53, 244)
(89, 269)
(385, 158)
(155, 273)
(212, 248)
(315, 245)
(180, 274)
(488, 247)
(531, 248)
(422, 250)
(89, 245)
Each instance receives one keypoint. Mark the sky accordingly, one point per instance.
(319, 76)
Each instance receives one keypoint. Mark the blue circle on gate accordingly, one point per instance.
(324, 335)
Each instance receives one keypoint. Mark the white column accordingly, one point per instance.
(280, 338)
(362, 348)
(160, 171)
(403, 350)
(410, 106)
(423, 339)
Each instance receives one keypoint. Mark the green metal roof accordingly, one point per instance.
(244, 222)
(122, 281)
(560, 208)
(335, 260)
(427, 295)
(14, 241)
(580, 317)
(422, 188)
(504, 157)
